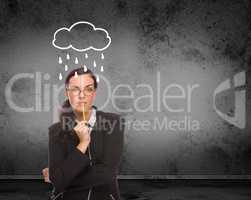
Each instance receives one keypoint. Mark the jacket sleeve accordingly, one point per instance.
(106, 170)
(63, 169)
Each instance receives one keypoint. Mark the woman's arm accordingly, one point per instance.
(63, 169)
(106, 170)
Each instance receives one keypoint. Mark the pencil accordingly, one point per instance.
(84, 113)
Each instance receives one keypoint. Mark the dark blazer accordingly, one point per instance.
(77, 174)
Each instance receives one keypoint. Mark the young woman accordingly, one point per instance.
(85, 146)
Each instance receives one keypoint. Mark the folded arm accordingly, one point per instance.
(63, 169)
(106, 170)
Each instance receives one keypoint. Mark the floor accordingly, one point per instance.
(141, 190)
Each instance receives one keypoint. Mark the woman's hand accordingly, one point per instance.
(83, 134)
(45, 173)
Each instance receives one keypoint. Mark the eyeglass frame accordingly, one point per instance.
(79, 90)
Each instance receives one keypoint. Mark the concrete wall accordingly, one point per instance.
(193, 44)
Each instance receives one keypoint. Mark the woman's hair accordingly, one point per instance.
(81, 71)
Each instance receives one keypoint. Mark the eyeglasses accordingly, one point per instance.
(88, 90)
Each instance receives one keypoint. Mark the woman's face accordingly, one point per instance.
(81, 92)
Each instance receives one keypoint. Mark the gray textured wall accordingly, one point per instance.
(173, 41)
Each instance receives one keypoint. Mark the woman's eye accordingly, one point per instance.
(90, 89)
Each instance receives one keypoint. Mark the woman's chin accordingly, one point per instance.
(80, 108)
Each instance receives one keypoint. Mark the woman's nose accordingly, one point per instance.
(82, 94)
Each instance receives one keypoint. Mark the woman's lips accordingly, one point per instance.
(81, 103)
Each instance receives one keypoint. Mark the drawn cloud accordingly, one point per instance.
(81, 36)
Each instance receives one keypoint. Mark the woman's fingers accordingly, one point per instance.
(82, 130)
(46, 175)
(77, 127)
(80, 124)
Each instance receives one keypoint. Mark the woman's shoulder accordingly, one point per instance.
(110, 122)
(55, 129)
(55, 126)
(108, 115)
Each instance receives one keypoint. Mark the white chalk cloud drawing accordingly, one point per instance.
(81, 36)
